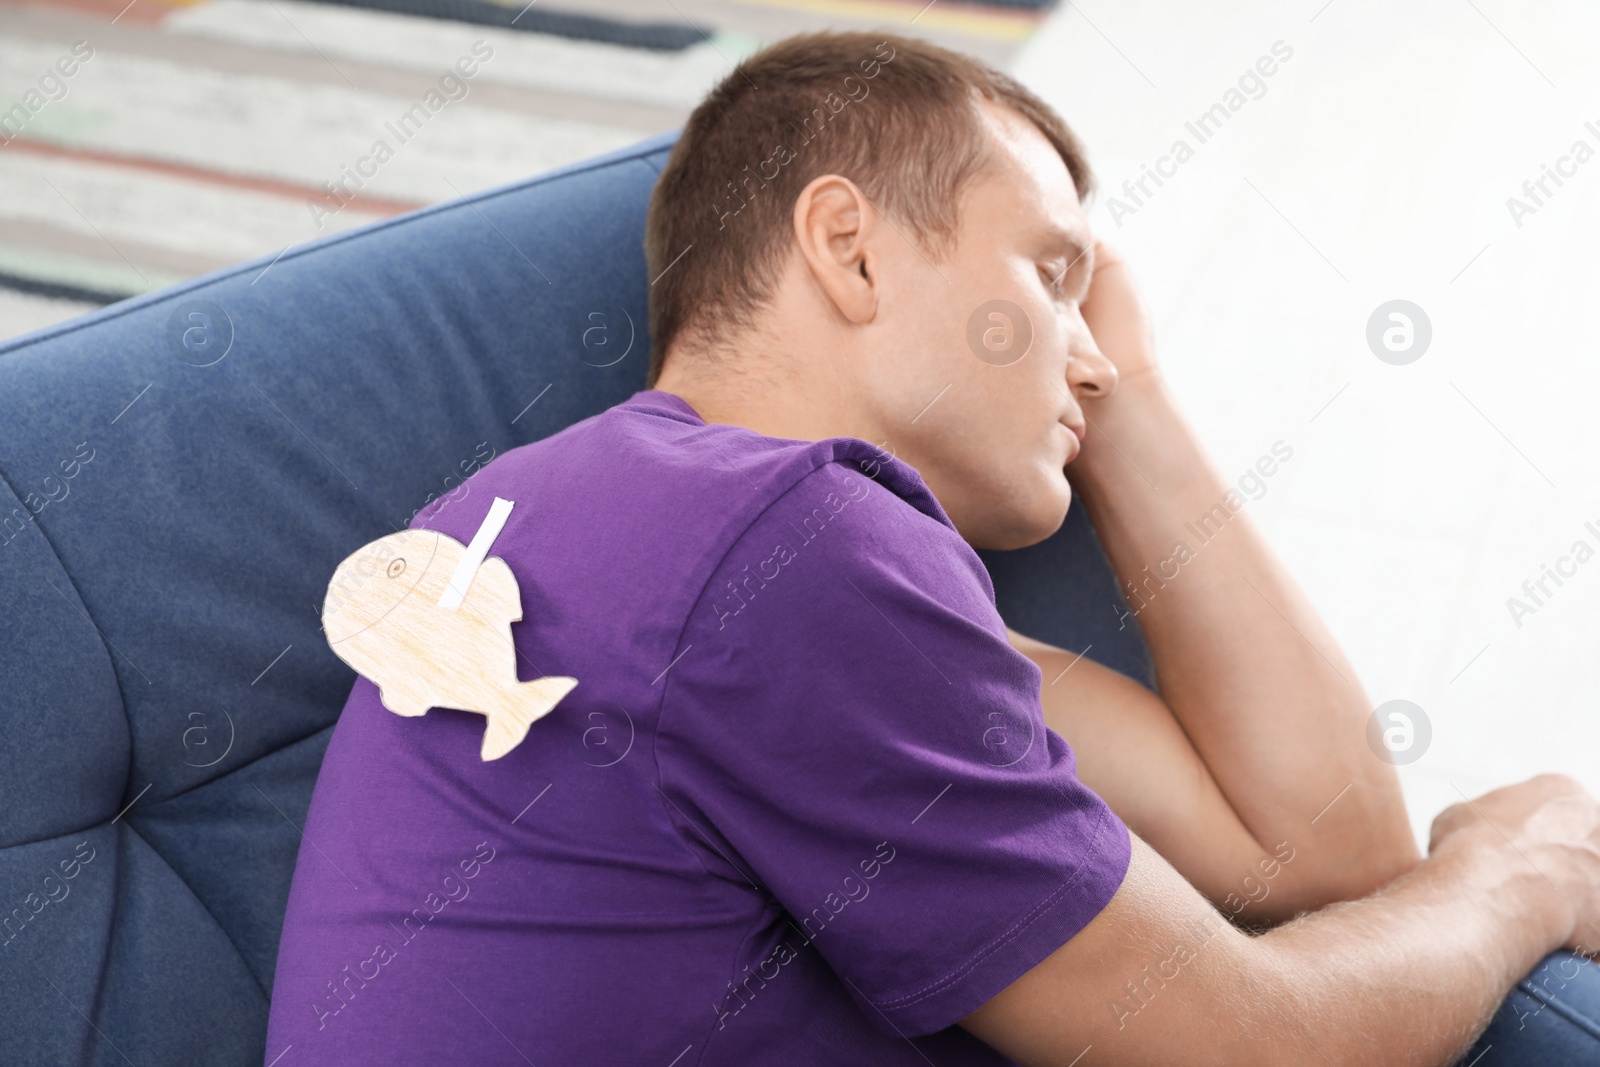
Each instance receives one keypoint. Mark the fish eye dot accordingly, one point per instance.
(397, 567)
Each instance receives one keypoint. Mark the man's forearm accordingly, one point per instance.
(1406, 977)
(1241, 658)
(1413, 974)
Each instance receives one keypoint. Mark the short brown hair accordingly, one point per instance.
(895, 115)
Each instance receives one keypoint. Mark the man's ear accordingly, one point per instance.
(833, 227)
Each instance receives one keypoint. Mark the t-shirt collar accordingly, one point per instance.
(661, 402)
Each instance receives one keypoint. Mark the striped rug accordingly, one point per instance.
(149, 141)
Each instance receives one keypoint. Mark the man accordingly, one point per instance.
(803, 806)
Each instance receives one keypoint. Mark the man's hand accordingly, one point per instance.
(1116, 317)
(1553, 826)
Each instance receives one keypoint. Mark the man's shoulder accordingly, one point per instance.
(645, 483)
(845, 534)
(653, 445)
(645, 514)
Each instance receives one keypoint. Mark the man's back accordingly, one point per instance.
(801, 806)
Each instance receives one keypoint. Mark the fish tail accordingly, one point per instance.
(526, 703)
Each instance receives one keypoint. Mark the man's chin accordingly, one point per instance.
(1047, 511)
(1061, 503)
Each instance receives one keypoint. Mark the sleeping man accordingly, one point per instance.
(811, 802)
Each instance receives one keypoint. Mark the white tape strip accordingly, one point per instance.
(472, 559)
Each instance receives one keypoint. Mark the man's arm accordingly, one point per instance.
(1134, 755)
(1409, 976)
(1250, 673)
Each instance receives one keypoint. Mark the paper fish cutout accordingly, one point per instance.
(388, 614)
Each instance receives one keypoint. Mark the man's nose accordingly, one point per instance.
(1089, 372)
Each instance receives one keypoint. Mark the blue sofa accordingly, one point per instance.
(179, 475)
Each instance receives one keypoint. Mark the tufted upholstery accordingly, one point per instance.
(179, 475)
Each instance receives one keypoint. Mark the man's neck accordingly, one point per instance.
(769, 404)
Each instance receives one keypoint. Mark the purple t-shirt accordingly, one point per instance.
(802, 807)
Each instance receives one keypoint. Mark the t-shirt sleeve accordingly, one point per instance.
(847, 728)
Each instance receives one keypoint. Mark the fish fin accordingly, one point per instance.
(495, 588)
(402, 702)
(527, 703)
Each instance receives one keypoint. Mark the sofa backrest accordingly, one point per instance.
(180, 473)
